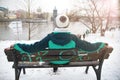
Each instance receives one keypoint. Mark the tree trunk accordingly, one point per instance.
(103, 32)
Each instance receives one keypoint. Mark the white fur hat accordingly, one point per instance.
(62, 21)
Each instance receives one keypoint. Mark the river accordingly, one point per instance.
(17, 30)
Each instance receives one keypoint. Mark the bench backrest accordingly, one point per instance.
(47, 55)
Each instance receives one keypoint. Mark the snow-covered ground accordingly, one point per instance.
(110, 71)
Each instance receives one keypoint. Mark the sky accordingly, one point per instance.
(46, 5)
(49, 5)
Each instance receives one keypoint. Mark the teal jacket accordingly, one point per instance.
(59, 40)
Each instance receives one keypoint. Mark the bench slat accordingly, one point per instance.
(48, 65)
(53, 55)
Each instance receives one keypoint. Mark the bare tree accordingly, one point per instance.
(73, 15)
(94, 14)
(26, 4)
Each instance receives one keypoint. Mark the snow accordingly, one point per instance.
(110, 70)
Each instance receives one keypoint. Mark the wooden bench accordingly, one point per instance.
(77, 59)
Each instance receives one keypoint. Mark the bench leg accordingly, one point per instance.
(55, 69)
(17, 73)
(98, 72)
(24, 72)
(86, 71)
(99, 75)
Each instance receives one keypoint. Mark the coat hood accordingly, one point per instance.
(60, 38)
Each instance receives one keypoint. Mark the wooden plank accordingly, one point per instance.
(51, 55)
(48, 65)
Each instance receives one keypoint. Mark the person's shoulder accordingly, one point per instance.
(50, 33)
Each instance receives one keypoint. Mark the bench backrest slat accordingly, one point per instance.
(53, 55)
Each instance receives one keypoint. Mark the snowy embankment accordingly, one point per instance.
(110, 71)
